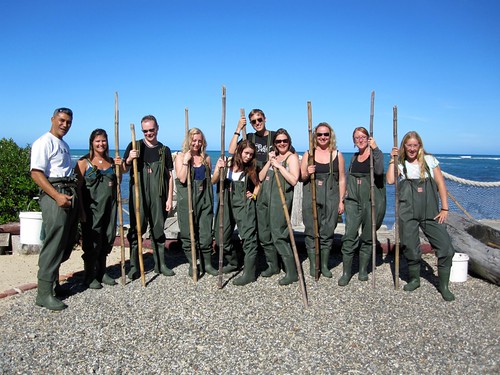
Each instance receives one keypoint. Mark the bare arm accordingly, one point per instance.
(234, 139)
(443, 213)
(292, 173)
(389, 175)
(342, 182)
(182, 166)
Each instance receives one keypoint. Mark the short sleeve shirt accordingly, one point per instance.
(51, 155)
(413, 170)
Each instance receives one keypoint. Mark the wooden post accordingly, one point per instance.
(396, 203)
(221, 189)
(372, 195)
(244, 130)
(192, 236)
(119, 193)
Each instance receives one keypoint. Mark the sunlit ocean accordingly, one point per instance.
(481, 203)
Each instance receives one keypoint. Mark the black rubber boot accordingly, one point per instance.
(232, 262)
(248, 275)
(312, 263)
(164, 270)
(272, 263)
(364, 260)
(444, 280)
(414, 280)
(207, 264)
(45, 298)
(346, 271)
(291, 271)
(325, 257)
(134, 272)
(102, 276)
(91, 275)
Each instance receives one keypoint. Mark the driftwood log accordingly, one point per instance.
(480, 242)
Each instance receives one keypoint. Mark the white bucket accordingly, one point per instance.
(459, 268)
(31, 228)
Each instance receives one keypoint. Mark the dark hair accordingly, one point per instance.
(250, 168)
(68, 111)
(150, 118)
(283, 131)
(93, 135)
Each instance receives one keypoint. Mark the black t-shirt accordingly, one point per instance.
(151, 154)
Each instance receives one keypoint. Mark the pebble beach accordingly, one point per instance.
(173, 326)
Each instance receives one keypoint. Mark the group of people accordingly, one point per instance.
(258, 181)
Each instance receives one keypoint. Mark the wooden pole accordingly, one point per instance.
(396, 203)
(312, 183)
(190, 208)
(137, 207)
(119, 193)
(372, 195)
(244, 130)
(302, 283)
(221, 189)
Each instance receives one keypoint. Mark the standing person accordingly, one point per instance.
(357, 204)
(329, 169)
(272, 224)
(194, 163)
(52, 171)
(239, 201)
(154, 163)
(98, 208)
(422, 185)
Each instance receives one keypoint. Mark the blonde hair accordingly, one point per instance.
(332, 145)
(420, 155)
(186, 145)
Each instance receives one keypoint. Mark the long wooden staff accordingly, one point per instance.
(302, 283)
(119, 192)
(190, 207)
(396, 203)
(244, 130)
(221, 189)
(372, 195)
(312, 183)
(137, 207)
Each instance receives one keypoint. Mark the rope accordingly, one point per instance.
(470, 182)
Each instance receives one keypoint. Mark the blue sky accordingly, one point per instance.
(438, 61)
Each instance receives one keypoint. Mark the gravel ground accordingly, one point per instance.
(175, 326)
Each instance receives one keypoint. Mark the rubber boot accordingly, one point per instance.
(272, 263)
(312, 263)
(90, 275)
(248, 275)
(346, 270)
(444, 279)
(190, 261)
(102, 276)
(414, 281)
(364, 260)
(59, 291)
(134, 272)
(207, 264)
(291, 271)
(164, 270)
(232, 262)
(45, 298)
(325, 257)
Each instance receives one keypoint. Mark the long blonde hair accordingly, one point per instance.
(332, 145)
(186, 145)
(420, 155)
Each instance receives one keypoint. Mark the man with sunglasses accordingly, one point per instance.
(51, 169)
(154, 164)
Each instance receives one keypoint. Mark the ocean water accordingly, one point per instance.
(481, 203)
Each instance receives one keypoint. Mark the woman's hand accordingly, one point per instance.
(441, 216)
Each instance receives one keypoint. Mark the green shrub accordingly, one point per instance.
(17, 189)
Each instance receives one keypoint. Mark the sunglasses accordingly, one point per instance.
(64, 110)
(322, 134)
(278, 141)
(145, 131)
(257, 120)
(361, 138)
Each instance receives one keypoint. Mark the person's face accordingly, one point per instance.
(196, 142)
(323, 136)
(61, 123)
(281, 143)
(258, 122)
(411, 148)
(360, 139)
(150, 130)
(100, 144)
(247, 155)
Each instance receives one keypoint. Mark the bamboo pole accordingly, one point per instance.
(302, 283)
(396, 203)
(119, 193)
(190, 207)
(312, 183)
(372, 195)
(137, 207)
(459, 205)
(244, 130)
(221, 190)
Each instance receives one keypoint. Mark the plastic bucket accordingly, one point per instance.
(459, 268)
(31, 227)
